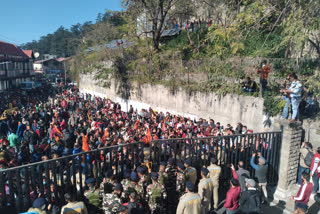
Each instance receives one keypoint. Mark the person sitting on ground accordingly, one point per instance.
(303, 195)
(248, 85)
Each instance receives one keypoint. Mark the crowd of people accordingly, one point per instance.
(174, 188)
(69, 122)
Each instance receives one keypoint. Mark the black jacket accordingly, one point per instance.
(134, 208)
(250, 202)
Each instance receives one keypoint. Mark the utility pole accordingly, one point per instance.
(65, 73)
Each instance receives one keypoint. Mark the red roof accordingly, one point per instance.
(28, 53)
(11, 50)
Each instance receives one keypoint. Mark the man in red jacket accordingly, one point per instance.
(232, 201)
(314, 170)
(302, 198)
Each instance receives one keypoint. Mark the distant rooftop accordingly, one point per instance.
(114, 44)
(11, 50)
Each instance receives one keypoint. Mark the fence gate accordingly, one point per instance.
(19, 186)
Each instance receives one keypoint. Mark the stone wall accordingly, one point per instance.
(228, 109)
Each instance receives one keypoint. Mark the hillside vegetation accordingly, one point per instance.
(202, 58)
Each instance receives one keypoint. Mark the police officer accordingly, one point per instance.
(112, 201)
(134, 186)
(144, 177)
(190, 203)
(92, 195)
(163, 176)
(156, 194)
(215, 172)
(125, 184)
(108, 183)
(181, 179)
(205, 189)
(171, 187)
(191, 172)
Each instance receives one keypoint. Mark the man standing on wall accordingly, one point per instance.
(264, 71)
(295, 95)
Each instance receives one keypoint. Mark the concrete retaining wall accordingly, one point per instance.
(227, 109)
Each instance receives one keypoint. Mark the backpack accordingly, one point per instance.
(255, 203)
(156, 195)
(308, 158)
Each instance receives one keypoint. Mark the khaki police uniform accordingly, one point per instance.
(205, 190)
(215, 172)
(191, 174)
(190, 203)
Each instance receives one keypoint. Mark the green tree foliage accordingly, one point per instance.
(153, 13)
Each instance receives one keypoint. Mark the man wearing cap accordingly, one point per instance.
(39, 206)
(261, 173)
(163, 176)
(205, 189)
(134, 207)
(181, 179)
(250, 200)
(112, 201)
(144, 178)
(92, 194)
(73, 206)
(125, 184)
(156, 195)
(215, 171)
(189, 203)
(134, 186)
(108, 182)
(191, 172)
(171, 186)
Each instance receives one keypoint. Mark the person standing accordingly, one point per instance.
(303, 195)
(39, 206)
(215, 172)
(181, 179)
(264, 71)
(191, 172)
(14, 142)
(92, 195)
(250, 199)
(156, 195)
(134, 207)
(261, 171)
(295, 95)
(189, 203)
(304, 166)
(73, 206)
(242, 174)
(111, 202)
(205, 189)
(232, 200)
(314, 170)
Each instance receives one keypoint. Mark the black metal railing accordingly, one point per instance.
(20, 185)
